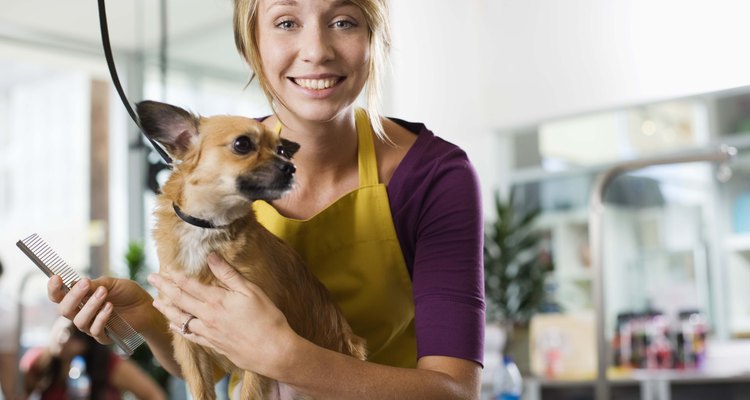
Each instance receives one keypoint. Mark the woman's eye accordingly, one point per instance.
(286, 24)
(243, 145)
(344, 24)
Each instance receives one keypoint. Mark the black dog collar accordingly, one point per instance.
(200, 223)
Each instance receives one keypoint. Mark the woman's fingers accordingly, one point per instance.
(100, 320)
(68, 305)
(174, 292)
(225, 273)
(88, 312)
(175, 316)
(194, 334)
(193, 287)
(55, 290)
(86, 315)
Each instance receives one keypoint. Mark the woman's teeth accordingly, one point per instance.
(316, 84)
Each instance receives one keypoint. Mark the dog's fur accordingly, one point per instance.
(220, 174)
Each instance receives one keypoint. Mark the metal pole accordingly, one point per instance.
(137, 153)
(596, 236)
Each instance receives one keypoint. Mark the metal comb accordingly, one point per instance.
(50, 263)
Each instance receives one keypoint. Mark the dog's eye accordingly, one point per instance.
(243, 145)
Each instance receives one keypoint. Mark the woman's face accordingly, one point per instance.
(314, 53)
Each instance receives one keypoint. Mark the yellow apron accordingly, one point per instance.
(352, 247)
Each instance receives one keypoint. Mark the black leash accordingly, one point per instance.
(116, 79)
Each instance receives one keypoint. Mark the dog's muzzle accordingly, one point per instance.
(288, 168)
(268, 182)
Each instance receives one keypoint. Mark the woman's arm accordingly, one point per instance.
(128, 377)
(35, 367)
(322, 373)
(130, 300)
(240, 322)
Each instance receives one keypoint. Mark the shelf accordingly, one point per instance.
(639, 376)
(739, 140)
(579, 217)
(739, 242)
(578, 274)
(740, 326)
(685, 256)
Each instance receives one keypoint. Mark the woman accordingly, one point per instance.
(45, 370)
(392, 225)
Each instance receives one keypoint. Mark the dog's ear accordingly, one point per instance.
(289, 148)
(173, 127)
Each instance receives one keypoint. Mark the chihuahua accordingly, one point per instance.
(226, 163)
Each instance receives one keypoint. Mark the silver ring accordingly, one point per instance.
(184, 328)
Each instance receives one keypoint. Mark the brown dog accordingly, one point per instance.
(227, 162)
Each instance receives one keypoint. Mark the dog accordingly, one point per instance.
(226, 163)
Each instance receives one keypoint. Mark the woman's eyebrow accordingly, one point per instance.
(335, 4)
(282, 3)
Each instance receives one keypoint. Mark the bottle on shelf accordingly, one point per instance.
(78, 382)
(691, 335)
(508, 382)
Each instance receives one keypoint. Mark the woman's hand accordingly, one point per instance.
(235, 318)
(105, 295)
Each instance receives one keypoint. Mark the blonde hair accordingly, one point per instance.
(376, 16)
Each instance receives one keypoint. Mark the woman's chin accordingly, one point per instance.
(319, 111)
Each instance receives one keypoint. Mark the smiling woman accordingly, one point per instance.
(385, 214)
(361, 27)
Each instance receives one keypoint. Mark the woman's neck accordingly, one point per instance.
(327, 149)
(327, 163)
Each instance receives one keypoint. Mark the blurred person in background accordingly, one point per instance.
(8, 347)
(46, 369)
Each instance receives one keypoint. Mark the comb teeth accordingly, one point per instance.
(51, 264)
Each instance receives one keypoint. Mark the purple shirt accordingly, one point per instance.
(436, 205)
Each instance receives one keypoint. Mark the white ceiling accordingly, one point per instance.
(199, 31)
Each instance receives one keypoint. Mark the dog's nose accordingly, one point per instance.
(288, 168)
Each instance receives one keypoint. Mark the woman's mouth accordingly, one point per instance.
(316, 84)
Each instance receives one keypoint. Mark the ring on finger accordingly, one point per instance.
(184, 327)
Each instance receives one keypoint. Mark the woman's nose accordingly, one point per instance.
(316, 45)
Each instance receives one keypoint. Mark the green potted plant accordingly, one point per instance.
(516, 266)
(135, 258)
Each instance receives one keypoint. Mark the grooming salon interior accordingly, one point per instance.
(611, 140)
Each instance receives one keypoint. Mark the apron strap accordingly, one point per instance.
(277, 128)
(366, 161)
(368, 164)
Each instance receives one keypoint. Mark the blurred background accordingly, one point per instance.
(543, 95)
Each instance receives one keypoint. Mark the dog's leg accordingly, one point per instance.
(258, 387)
(287, 393)
(198, 369)
(261, 388)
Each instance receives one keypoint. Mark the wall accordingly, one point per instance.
(439, 75)
(44, 163)
(469, 71)
(556, 58)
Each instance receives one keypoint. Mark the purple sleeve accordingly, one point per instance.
(436, 205)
